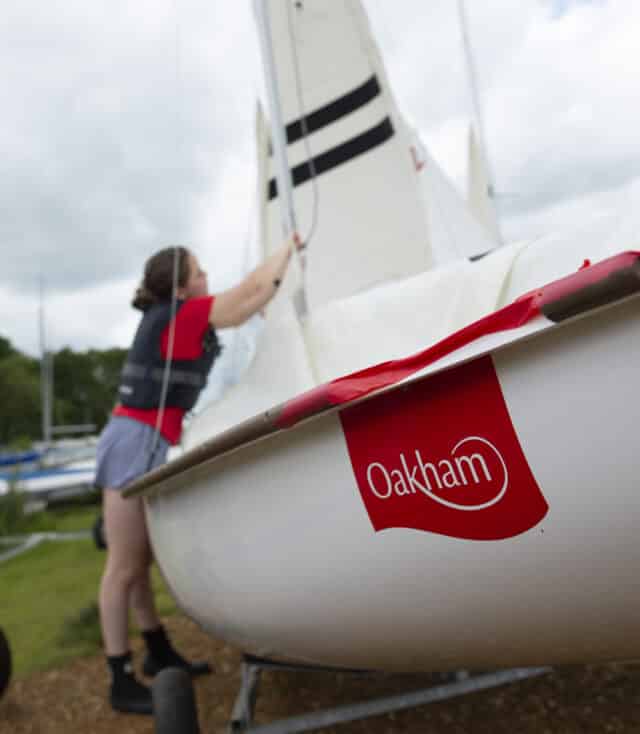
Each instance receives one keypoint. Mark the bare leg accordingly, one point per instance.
(143, 603)
(128, 556)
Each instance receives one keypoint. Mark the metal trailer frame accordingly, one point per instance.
(459, 683)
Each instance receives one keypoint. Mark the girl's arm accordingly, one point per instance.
(234, 306)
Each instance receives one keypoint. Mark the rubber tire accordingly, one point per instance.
(5, 663)
(97, 531)
(174, 703)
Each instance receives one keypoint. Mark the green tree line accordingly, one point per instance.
(84, 390)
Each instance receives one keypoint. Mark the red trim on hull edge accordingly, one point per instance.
(586, 276)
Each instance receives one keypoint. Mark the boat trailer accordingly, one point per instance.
(173, 692)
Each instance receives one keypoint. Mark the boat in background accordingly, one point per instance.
(20, 458)
(62, 464)
(431, 463)
(52, 471)
(46, 485)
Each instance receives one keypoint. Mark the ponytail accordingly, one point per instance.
(143, 298)
(157, 284)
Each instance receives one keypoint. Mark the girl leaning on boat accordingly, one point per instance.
(178, 326)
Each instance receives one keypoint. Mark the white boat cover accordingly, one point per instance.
(397, 319)
(280, 369)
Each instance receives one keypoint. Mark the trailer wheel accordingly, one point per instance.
(97, 531)
(174, 703)
(5, 662)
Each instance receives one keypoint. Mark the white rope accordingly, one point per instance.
(176, 250)
(167, 365)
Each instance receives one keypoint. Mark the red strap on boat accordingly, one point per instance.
(522, 310)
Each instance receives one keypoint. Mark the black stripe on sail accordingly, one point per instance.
(340, 154)
(340, 107)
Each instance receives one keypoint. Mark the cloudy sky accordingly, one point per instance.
(127, 126)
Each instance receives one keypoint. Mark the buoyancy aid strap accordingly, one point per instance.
(176, 376)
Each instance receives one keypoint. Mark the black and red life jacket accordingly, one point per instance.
(144, 368)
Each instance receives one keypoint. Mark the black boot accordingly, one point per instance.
(127, 693)
(161, 655)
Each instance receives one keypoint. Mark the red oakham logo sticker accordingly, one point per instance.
(442, 455)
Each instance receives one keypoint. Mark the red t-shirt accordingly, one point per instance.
(191, 323)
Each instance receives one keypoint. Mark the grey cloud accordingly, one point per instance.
(105, 153)
(555, 175)
(106, 156)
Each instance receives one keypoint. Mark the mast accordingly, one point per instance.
(46, 373)
(279, 142)
(283, 174)
(477, 111)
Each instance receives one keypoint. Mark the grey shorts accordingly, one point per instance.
(123, 452)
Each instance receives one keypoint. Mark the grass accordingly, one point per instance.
(78, 515)
(11, 512)
(7, 547)
(81, 628)
(49, 594)
(64, 520)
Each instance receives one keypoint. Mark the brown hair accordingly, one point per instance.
(157, 283)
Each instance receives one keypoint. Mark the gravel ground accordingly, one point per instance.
(571, 700)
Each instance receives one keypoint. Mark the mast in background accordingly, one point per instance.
(46, 386)
(46, 372)
(480, 175)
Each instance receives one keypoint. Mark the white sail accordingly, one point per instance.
(479, 189)
(454, 232)
(279, 370)
(360, 195)
(279, 342)
(380, 211)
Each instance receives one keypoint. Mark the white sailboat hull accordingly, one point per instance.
(282, 548)
(473, 505)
